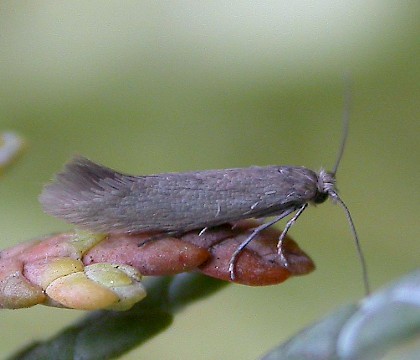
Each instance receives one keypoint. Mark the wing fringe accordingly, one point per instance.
(80, 182)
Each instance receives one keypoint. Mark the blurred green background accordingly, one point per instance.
(149, 87)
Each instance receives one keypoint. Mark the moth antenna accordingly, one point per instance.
(362, 260)
(331, 189)
(346, 120)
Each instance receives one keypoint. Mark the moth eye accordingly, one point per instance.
(320, 197)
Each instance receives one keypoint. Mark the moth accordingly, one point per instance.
(100, 199)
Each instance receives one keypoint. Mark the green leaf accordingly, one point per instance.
(315, 342)
(381, 323)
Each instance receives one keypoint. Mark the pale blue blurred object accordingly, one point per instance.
(10, 146)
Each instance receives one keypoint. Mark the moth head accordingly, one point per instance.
(326, 186)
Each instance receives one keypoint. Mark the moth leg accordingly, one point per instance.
(253, 235)
(150, 239)
(259, 221)
(158, 236)
(289, 224)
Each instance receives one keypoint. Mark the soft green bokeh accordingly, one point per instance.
(148, 87)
